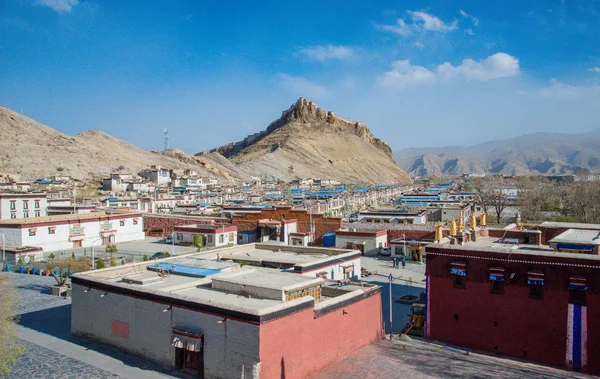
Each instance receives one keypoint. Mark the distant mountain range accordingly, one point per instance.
(531, 154)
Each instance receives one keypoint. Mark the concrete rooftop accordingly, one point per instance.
(577, 236)
(267, 278)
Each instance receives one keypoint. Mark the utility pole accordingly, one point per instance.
(3, 252)
(391, 328)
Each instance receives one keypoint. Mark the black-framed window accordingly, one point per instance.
(536, 291)
(578, 296)
(497, 287)
(460, 282)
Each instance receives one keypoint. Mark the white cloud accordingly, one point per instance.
(59, 5)
(328, 52)
(419, 44)
(474, 19)
(470, 32)
(403, 73)
(595, 69)
(499, 65)
(301, 86)
(431, 22)
(420, 21)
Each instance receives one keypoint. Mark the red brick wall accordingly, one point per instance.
(299, 345)
(530, 329)
(321, 223)
(168, 223)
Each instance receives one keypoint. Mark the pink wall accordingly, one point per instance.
(299, 345)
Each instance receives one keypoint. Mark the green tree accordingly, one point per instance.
(145, 258)
(198, 241)
(10, 351)
(66, 267)
(111, 248)
(113, 262)
(100, 264)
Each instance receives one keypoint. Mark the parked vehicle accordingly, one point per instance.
(386, 251)
(169, 239)
(160, 255)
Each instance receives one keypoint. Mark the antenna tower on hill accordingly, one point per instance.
(166, 140)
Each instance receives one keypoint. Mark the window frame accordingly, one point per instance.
(457, 282)
(534, 294)
(499, 284)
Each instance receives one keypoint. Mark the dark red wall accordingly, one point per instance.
(299, 345)
(526, 328)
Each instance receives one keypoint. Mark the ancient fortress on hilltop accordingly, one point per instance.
(306, 112)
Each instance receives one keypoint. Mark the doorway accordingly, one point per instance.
(76, 244)
(189, 361)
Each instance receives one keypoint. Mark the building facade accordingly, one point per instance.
(245, 322)
(533, 305)
(211, 235)
(54, 233)
(22, 205)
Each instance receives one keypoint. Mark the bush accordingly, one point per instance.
(145, 258)
(100, 264)
(113, 262)
(51, 256)
(111, 248)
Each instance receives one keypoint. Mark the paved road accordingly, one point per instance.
(409, 280)
(52, 352)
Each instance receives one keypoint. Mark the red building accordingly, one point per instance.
(526, 303)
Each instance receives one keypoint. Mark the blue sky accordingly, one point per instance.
(418, 74)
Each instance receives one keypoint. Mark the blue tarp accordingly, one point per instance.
(498, 278)
(184, 270)
(329, 240)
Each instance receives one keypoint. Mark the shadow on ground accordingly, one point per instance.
(56, 322)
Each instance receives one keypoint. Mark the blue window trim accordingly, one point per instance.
(497, 278)
(459, 272)
(535, 282)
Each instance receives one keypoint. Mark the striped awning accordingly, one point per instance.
(535, 277)
(458, 268)
(577, 282)
(186, 340)
(497, 273)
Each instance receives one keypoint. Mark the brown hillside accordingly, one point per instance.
(37, 151)
(310, 142)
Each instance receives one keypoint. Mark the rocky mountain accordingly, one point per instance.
(37, 151)
(307, 141)
(532, 154)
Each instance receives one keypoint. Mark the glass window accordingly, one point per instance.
(37, 203)
(13, 215)
(122, 222)
(25, 204)
(221, 238)
(32, 232)
(536, 292)
(577, 296)
(231, 237)
(13, 205)
(25, 214)
(36, 214)
(497, 287)
(460, 282)
(51, 230)
(135, 221)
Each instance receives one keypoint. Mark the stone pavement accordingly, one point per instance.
(52, 352)
(409, 280)
(420, 359)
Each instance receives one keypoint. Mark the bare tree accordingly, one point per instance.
(491, 194)
(531, 202)
(67, 267)
(10, 351)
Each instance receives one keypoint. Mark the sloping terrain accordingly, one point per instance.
(308, 142)
(533, 154)
(37, 151)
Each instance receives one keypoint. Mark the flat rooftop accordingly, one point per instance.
(537, 251)
(283, 256)
(267, 278)
(67, 217)
(577, 237)
(569, 225)
(188, 280)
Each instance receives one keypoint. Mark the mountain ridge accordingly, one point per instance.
(307, 141)
(540, 153)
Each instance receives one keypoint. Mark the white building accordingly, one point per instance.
(160, 176)
(22, 205)
(369, 242)
(212, 235)
(54, 233)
